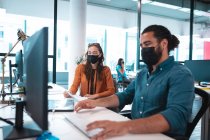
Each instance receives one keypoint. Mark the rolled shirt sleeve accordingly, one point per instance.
(179, 101)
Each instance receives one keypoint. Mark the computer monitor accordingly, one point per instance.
(129, 67)
(18, 72)
(19, 67)
(36, 92)
(200, 70)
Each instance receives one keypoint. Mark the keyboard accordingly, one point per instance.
(65, 105)
(81, 123)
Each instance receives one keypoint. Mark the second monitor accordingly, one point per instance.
(18, 71)
(200, 70)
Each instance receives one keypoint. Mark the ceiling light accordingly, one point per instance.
(134, 0)
(145, 1)
(187, 10)
(108, 0)
(2, 11)
(200, 13)
(165, 5)
(207, 14)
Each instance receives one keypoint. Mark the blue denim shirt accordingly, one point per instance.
(169, 90)
(119, 75)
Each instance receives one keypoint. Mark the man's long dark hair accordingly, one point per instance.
(160, 33)
(88, 67)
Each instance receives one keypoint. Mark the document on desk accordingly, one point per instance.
(76, 97)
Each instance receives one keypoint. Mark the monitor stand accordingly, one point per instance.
(19, 130)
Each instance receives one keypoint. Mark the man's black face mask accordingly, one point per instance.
(92, 58)
(150, 56)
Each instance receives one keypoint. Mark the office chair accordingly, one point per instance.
(200, 105)
(122, 85)
(115, 84)
(126, 113)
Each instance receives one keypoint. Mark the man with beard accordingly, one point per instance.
(161, 94)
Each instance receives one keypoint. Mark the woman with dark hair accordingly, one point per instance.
(93, 78)
(121, 75)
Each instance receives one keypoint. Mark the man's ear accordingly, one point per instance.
(164, 43)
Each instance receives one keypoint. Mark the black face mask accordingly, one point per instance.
(150, 56)
(92, 58)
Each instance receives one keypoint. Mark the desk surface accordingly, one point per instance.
(64, 130)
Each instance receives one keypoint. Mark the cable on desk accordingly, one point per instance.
(7, 121)
(4, 106)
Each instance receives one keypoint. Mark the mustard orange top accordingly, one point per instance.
(103, 87)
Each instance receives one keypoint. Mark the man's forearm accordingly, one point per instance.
(110, 101)
(154, 124)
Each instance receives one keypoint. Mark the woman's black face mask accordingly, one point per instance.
(150, 56)
(92, 58)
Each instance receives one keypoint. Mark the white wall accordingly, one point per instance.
(173, 25)
(110, 17)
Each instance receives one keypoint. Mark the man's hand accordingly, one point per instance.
(110, 129)
(85, 104)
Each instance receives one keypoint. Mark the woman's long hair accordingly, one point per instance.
(120, 62)
(88, 67)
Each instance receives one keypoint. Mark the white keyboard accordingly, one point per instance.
(81, 123)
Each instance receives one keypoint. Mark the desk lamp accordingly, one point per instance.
(21, 36)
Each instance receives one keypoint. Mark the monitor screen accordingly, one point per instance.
(129, 67)
(200, 69)
(19, 67)
(36, 91)
(18, 72)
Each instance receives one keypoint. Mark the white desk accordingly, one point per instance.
(61, 127)
(64, 130)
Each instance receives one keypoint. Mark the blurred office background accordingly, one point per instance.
(112, 23)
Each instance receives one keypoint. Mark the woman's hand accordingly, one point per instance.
(94, 96)
(65, 94)
(110, 129)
